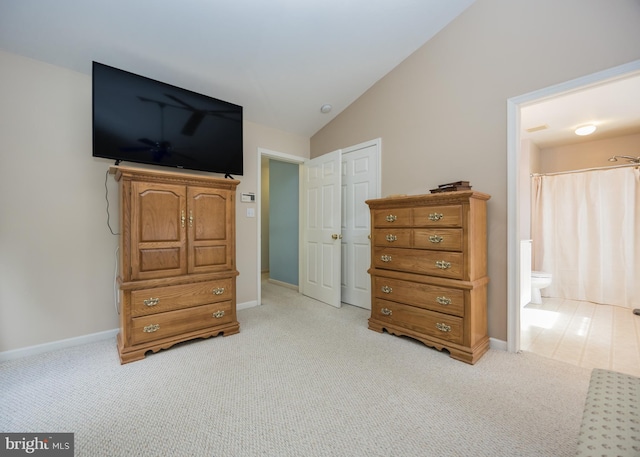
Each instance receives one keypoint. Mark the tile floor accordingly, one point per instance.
(583, 333)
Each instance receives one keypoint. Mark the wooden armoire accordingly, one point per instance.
(177, 267)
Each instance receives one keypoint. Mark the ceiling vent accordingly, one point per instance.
(537, 129)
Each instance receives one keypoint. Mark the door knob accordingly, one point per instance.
(335, 236)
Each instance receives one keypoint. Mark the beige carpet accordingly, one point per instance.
(300, 379)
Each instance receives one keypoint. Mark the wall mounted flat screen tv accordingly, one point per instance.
(137, 119)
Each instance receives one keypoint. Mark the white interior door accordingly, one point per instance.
(321, 248)
(360, 182)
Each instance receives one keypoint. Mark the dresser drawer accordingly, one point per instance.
(163, 325)
(441, 326)
(400, 238)
(441, 299)
(169, 298)
(392, 217)
(438, 216)
(432, 263)
(438, 239)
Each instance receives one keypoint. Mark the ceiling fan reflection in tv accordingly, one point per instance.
(195, 132)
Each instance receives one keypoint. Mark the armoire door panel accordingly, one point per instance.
(159, 259)
(158, 230)
(209, 223)
(205, 207)
(210, 256)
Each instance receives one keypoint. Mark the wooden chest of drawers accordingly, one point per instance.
(429, 270)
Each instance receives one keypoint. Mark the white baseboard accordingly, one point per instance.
(497, 344)
(247, 304)
(55, 345)
(284, 284)
(77, 341)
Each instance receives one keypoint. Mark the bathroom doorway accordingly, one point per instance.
(519, 170)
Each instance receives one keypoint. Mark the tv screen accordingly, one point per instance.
(137, 119)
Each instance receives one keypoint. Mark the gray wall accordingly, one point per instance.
(283, 221)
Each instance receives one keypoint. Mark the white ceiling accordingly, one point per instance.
(280, 59)
(613, 107)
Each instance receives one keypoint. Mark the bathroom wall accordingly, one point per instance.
(529, 154)
(589, 154)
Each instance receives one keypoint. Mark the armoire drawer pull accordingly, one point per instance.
(443, 327)
(435, 238)
(443, 300)
(443, 264)
(151, 328)
(218, 314)
(391, 238)
(151, 301)
(435, 216)
(392, 218)
(385, 258)
(386, 311)
(218, 291)
(387, 289)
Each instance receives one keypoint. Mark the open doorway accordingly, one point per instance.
(360, 181)
(519, 188)
(285, 238)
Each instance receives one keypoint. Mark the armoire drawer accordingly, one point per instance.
(169, 298)
(438, 216)
(163, 325)
(434, 298)
(438, 325)
(433, 263)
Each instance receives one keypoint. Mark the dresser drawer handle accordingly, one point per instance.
(435, 216)
(386, 311)
(218, 291)
(387, 289)
(435, 238)
(392, 218)
(443, 327)
(151, 328)
(385, 258)
(391, 238)
(443, 300)
(443, 264)
(151, 301)
(218, 314)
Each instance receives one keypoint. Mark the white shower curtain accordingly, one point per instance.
(586, 233)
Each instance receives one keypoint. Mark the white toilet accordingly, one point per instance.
(539, 280)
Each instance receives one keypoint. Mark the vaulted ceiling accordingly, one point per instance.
(280, 59)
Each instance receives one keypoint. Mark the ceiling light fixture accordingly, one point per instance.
(325, 108)
(585, 130)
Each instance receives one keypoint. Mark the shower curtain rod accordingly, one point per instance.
(584, 169)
